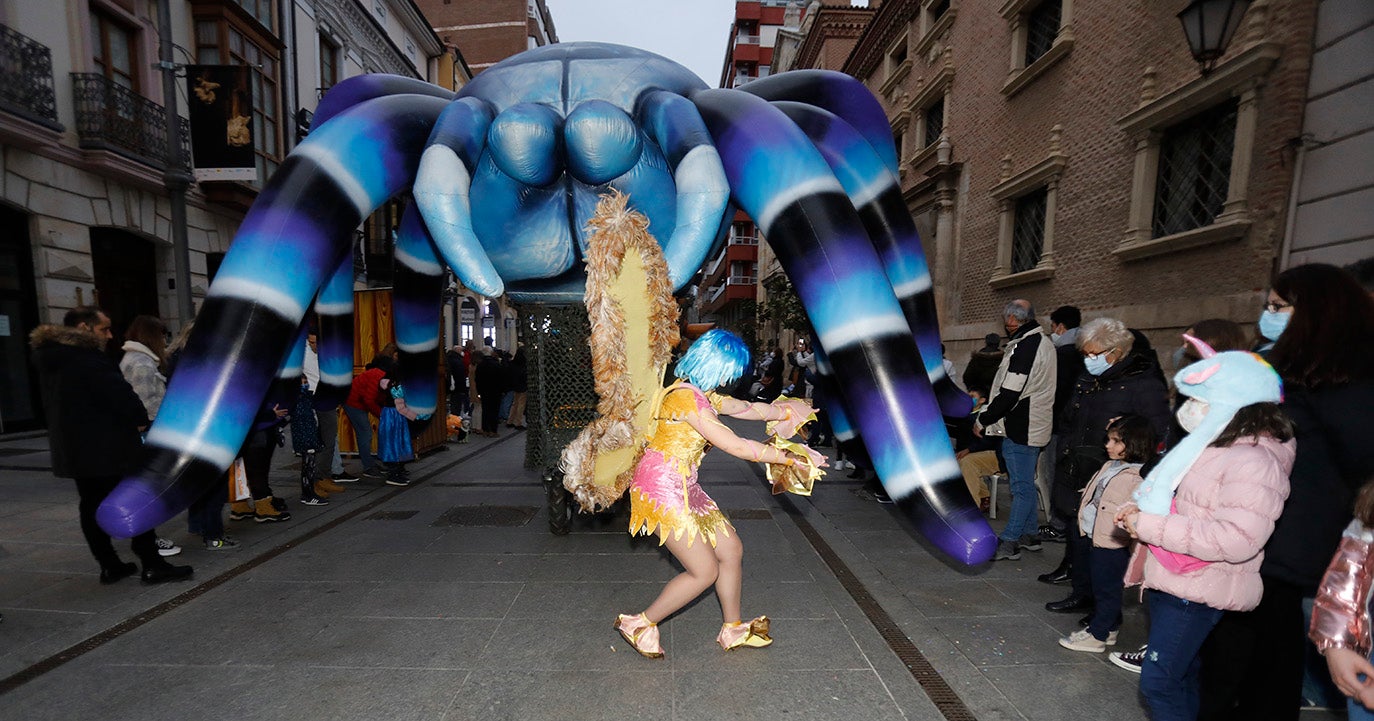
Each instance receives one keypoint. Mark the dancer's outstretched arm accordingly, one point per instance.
(717, 434)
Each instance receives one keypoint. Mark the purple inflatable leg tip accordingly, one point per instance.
(130, 510)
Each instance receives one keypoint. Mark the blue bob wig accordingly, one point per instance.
(717, 358)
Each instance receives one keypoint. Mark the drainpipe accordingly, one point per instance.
(175, 177)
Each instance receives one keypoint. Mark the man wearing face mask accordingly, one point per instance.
(1117, 380)
(1021, 410)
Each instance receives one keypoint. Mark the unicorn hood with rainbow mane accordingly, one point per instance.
(1226, 382)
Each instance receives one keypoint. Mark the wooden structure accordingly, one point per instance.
(372, 331)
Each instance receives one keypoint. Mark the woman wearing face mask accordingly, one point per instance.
(1321, 322)
(1116, 381)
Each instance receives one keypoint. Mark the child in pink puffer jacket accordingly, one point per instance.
(1203, 516)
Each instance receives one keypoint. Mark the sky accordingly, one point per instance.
(692, 33)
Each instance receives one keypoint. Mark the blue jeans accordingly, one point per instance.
(1169, 677)
(1020, 462)
(362, 431)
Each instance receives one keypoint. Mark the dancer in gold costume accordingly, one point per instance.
(666, 499)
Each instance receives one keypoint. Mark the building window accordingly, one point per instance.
(116, 52)
(1028, 230)
(262, 11)
(1041, 35)
(1194, 149)
(1194, 170)
(1025, 250)
(899, 140)
(897, 56)
(933, 122)
(223, 40)
(329, 63)
(1042, 26)
(937, 9)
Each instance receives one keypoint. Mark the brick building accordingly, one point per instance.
(490, 31)
(1072, 153)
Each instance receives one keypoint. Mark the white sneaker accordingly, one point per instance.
(842, 464)
(1081, 640)
(167, 548)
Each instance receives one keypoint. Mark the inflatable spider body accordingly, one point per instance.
(504, 177)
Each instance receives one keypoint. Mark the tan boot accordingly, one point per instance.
(328, 485)
(266, 511)
(320, 490)
(241, 511)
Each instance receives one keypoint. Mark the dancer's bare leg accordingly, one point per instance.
(730, 577)
(701, 569)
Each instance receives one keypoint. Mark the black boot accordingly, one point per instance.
(1072, 604)
(113, 574)
(1059, 576)
(163, 572)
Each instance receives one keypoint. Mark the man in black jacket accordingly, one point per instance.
(94, 420)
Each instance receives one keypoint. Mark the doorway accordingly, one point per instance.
(125, 278)
(20, 407)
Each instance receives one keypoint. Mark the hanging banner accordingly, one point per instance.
(221, 109)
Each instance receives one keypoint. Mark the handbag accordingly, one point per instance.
(238, 482)
(1175, 562)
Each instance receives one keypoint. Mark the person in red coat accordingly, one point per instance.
(363, 400)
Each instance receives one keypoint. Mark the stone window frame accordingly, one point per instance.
(931, 27)
(1046, 174)
(1020, 75)
(1241, 78)
(938, 88)
(897, 70)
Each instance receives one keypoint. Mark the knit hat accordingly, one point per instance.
(1227, 382)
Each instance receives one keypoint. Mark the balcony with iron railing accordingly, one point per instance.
(112, 117)
(26, 87)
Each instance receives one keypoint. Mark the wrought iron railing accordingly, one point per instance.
(112, 117)
(26, 86)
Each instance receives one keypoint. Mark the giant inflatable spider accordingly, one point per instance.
(504, 177)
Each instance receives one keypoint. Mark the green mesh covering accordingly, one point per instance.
(561, 399)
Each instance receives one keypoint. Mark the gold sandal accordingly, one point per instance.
(751, 635)
(640, 633)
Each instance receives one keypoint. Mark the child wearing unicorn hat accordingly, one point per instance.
(1204, 514)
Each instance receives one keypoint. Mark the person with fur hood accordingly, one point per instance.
(94, 421)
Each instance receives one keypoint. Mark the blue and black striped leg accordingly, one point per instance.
(334, 308)
(362, 88)
(287, 245)
(847, 438)
(782, 181)
(877, 195)
(416, 305)
(839, 94)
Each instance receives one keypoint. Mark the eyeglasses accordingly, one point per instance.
(1099, 354)
(1274, 307)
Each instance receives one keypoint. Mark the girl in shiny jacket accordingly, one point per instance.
(1340, 616)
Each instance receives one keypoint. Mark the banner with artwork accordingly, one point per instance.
(221, 108)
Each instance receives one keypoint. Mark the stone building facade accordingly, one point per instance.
(1072, 153)
(85, 213)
